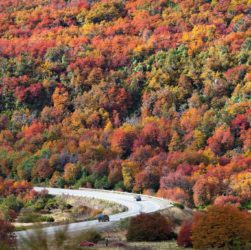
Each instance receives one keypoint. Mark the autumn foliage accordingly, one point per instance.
(7, 235)
(10, 187)
(144, 96)
(184, 238)
(222, 226)
(149, 227)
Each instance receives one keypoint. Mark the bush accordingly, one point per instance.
(46, 219)
(222, 227)
(7, 236)
(28, 216)
(149, 227)
(178, 205)
(7, 214)
(85, 181)
(119, 186)
(92, 236)
(124, 223)
(102, 183)
(184, 236)
(51, 204)
(12, 203)
(246, 205)
(39, 204)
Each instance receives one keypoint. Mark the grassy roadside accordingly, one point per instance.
(83, 209)
(166, 245)
(116, 235)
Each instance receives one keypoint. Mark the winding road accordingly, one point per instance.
(148, 204)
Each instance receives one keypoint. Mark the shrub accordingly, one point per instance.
(185, 233)
(181, 206)
(47, 219)
(102, 183)
(222, 227)
(246, 205)
(7, 214)
(52, 203)
(28, 216)
(120, 186)
(39, 204)
(12, 203)
(124, 223)
(7, 236)
(149, 227)
(92, 236)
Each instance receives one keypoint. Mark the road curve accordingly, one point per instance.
(148, 204)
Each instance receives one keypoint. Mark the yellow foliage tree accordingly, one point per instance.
(129, 170)
(60, 98)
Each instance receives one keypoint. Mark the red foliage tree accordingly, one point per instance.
(175, 194)
(42, 169)
(221, 141)
(155, 134)
(34, 129)
(122, 140)
(177, 179)
(206, 189)
(7, 235)
(100, 168)
(228, 200)
(29, 94)
(185, 233)
(147, 179)
(149, 227)
(241, 122)
(142, 153)
(115, 172)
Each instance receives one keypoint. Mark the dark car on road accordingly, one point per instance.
(138, 198)
(103, 218)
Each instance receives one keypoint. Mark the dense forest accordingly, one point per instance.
(149, 96)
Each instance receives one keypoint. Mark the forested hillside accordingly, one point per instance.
(139, 95)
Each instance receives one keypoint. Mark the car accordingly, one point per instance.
(103, 218)
(138, 198)
(86, 244)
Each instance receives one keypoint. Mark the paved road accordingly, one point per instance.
(148, 204)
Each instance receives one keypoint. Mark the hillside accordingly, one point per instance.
(145, 96)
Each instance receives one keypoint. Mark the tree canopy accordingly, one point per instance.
(149, 96)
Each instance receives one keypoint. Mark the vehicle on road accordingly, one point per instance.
(138, 198)
(103, 218)
(150, 205)
(86, 244)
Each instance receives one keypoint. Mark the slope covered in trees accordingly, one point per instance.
(135, 95)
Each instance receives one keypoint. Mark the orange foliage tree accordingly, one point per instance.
(222, 227)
